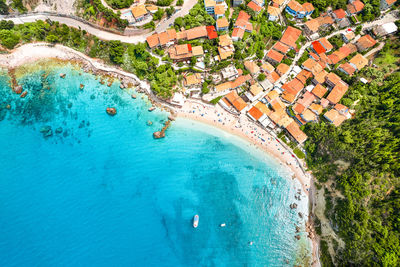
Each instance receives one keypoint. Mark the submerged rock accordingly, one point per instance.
(151, 108)
(59, 130)
(62, 75)
(23, 94)
(46, 131)
(111, 111)
(133, 96)
(81, 86)
(69, 105)
(149, 123)
(297, 237)
(8, 106)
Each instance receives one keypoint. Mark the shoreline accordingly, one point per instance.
(215, 116)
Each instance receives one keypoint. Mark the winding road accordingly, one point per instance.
(103, 34)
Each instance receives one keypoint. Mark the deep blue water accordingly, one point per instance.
(103, 192)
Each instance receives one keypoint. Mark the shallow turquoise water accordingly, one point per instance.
(103, 192)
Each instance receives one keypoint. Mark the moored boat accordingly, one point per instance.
(195, 221)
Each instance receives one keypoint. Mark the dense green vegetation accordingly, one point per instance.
(164, 2)
(18, 5)
(118, 4)
(3, 7)
(371, 9)
(197, 16)
(360, 159)
(130, 57)
(93, 10)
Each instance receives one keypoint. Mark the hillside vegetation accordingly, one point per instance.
(361, 160)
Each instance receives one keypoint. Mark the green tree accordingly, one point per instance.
(116, 52)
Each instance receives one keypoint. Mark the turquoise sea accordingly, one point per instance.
(81, 188)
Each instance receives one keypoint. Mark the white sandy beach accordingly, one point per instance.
(213, 115)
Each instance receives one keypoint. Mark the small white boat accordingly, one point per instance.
(195, 221)
(223, 225)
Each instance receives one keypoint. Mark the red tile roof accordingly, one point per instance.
(319, 90)
(294, 129)
(255, 113)
(306, 99)
(243, 15)
(211, 32)
(290, 36)
(318, 47)
(355, 7)
(281, 47)
(274, 55)
(366, 42)
(254, 6)
(337, 92)
(340, 13)
(238, 33)
(152, 40)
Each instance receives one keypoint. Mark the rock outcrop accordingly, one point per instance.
(111, 111)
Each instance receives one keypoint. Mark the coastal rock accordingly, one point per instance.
(297, 229)
(171, 117)
(23, 94)
(297, 237)
(62, 75)
(300, 215)
(81, 86)
(18, 89)
(102, 82)
(133, 96)
(158, 135)
(46, 131)
(149, 123)
(109, 83)
(111, 111)
(293, 206)
(151, 108)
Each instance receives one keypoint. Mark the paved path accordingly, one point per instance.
(187, 5)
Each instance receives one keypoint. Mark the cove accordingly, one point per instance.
(100, 191)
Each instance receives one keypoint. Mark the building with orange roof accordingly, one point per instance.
(355, 7)
(195, 33)
(316, 108)
(209, 6)
(386, 4)
(332, 79)
(319, 91)
(282, 69)
(263, 108)
(294, 130)
(339, 14)
(235, 100)
(237, 34)
(273, 77)
(211, 32)
(312, 66)
(183, 52)
(298, 108)
(347, 69)
(253, 6)
(252, 67)
(298, 10)
(274, 57)
(365, 42)
(342, 53)
(308, 116)
(334, 117)
(320, 77)
(197, 51)
(139, 12)
(281, 47)
(226, 47)
(241, 80)
(171, 34)
(153, 41)
(273, 13)
(267, 67)
(321, 46)
(278, 3)
(164, 38)
(222, 24)
(255, 113)
(223, 87)
(290, 36)
(358, 62)
(303, 76)
(312, 26)
(219, 11)
(306, 99)
(337, 92)
(192, 79)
